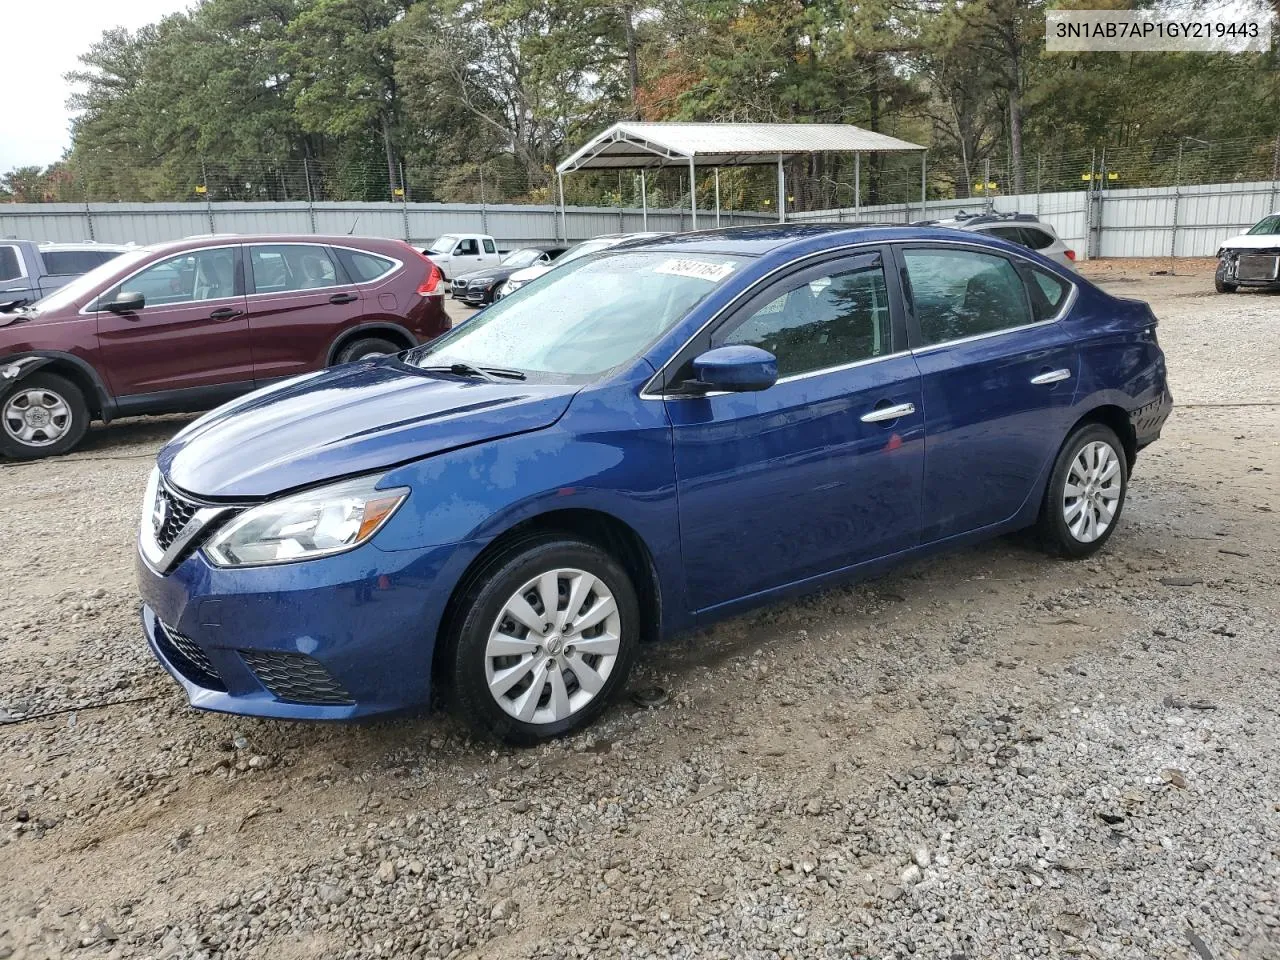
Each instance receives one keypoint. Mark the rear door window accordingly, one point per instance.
(72, 263)
(10, 264)
(1035, 238)
(963, 293)
(285, 268)
(1048, 293)
(489, 247)
(1012, 234)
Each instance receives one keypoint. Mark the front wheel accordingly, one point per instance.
(43, 415)
(1086, 493)
(544, 638)
(1220, 282)
(364, 348)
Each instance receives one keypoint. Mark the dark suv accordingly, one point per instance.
(188, 325)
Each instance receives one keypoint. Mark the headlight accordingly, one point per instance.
(317, 523)
(481, 281)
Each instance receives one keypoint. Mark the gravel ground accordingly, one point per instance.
(990, 754)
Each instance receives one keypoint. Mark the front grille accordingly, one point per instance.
(177, 513)
(295, 677)
(459, 284)
(1256, 267)
(189, 658)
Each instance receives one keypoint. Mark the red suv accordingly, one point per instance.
(189, 325)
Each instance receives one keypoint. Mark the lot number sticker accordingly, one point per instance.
(697, 269)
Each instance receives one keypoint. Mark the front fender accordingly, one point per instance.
(14, 370)
(18, 366)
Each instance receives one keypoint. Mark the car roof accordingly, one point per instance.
(226, 239)
(760, 239)
(56, 245)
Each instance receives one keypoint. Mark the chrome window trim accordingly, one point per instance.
(647, 391)
(396, 266)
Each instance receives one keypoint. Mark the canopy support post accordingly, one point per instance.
(693, 194)
(564, 224)
(644, 202)
(924, 183)
(857, 186)
(782, 192)
(718, 193)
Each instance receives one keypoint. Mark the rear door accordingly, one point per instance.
(998, 375)
(191, 335)
(300, 299)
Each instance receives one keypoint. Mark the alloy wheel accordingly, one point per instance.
(553, 646)
(1091, 494)
(36, 417)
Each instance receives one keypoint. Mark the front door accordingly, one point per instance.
(999, 375)
(300, 299)
(191, 335)
(820, 471)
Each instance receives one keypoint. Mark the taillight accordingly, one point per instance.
(434, 276)
(1071, 255)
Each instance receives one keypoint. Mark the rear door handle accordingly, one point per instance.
(225, 313)
(343, 298)
(881, 414)
(1051, 376)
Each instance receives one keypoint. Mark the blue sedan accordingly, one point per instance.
(643, 442)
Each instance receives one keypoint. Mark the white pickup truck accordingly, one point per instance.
(459, 253)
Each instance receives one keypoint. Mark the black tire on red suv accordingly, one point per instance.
(41, 415)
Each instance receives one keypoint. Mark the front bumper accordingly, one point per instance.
(1259, 271)
(475, 296)
(335, 638)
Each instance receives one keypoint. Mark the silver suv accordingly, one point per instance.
(1023, 228)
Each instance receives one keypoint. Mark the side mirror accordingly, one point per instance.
(126, 302)
(737, 369)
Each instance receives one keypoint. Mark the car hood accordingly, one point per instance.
(525, 274)
(497, 272)
(1259, 241)
(345, 421)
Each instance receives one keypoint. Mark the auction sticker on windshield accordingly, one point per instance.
(696, 269)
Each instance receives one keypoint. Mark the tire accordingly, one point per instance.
(43, 415)
(1065, 523)
(366, 347)
(1220, 279)
(470, 664)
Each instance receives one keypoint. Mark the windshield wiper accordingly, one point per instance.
(490, 374)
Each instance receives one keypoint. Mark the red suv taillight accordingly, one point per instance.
(1071, 255)
(432, 282)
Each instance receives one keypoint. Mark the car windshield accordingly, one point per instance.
(584, 248)
(444, 244)
(521, 258)
(89, 283)
(584, 319)
(1269, 224)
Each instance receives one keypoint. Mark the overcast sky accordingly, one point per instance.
(43, 39)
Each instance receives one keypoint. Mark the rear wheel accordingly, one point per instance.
(42, 415)
(366, 347)
(1086, 493)
(1220, 279)
(544, 638)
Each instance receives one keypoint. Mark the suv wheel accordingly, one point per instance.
(364, 348)
(543, 639)
(43, 415)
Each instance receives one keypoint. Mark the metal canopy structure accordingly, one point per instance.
(648, 146)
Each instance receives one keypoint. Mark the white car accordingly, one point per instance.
(1250, 259)
(459, 253)
(1025, 229)
(594, 245)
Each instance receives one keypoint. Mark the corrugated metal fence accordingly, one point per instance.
(512, 224)
(1186, 221)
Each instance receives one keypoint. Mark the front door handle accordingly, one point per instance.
(225, 313)
(343, 298)
(881, 414)
(1051, 376)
